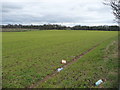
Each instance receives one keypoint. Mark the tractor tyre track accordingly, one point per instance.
(65, 65)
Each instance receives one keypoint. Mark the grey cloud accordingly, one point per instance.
(45, 18)
(63, 11)
(8, 7)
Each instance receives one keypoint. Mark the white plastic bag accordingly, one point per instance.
(98, 82)
(59, 69)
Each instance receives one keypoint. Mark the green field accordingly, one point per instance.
(0, 59)
(28, 57)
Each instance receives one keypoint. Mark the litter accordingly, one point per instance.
(99, 82)
(64, 61)
(59, 69)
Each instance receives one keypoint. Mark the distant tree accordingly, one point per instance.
(115, 5)
(19, 27)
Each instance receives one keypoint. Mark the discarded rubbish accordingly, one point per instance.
(99, 82)
(59, 69)
(63, 61)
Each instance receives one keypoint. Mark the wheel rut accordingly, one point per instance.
(64, 66)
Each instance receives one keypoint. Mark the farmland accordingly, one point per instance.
(28, 57)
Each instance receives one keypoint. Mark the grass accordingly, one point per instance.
(17, 30)
(0, 60)
(101, 63)
(28, 57)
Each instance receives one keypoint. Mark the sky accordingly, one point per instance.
(64, 12)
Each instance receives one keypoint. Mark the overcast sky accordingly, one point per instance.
(65, 12)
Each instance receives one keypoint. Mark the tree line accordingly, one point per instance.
(61, 27)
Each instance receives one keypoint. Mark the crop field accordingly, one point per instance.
(29, 57)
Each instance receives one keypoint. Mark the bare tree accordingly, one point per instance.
(115, 5)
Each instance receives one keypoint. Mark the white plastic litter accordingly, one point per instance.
(98, 82)
(64, 61)
(59, 69)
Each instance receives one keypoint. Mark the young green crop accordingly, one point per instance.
(101, 63)
(28, 57)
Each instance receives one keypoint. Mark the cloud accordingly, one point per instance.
(66, 12)
(8, 7)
